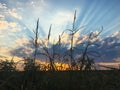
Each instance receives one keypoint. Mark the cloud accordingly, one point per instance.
(3, 6)
(65, 39)
(21, 41)
(21, 52)
(9, 12)
(26, 49)
(110, 47)
(42, 9)
(35, 2)
(12, 26)
(14, 14)
(1, 57)
(4, 52)
(109, 64)
(109, 52)
(3, 24)
(116, 34)
(61, 18)
(117, 59)
(5, 15)
(2, 17)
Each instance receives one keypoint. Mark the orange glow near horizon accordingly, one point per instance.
(59, 66)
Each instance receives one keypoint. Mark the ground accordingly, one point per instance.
(60, 80)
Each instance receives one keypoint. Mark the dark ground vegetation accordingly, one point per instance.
(60, 80)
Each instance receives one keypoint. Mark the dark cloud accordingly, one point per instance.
(108, 48)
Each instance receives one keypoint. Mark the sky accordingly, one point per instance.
(18, 20)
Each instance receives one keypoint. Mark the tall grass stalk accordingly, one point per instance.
(73, 31)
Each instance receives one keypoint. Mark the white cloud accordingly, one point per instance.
(12, 26)
(60, 21)
(117, 59)
(35, 2)
(116, 34)
(110, 64)
(13, 13)
(22, 41)
(61, 18)
(5, 11)
(4, 51)
(3, 25)
(65, 39)
(2, 17)
(3, 6)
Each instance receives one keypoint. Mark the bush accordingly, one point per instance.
(6, 65)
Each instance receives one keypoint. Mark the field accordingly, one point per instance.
(60, 80)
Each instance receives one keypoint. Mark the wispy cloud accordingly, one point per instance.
(108, 51)
(14, 13)
(9, 12)
(12, 26)
(5, 24)
(117, 59)
(4, 52)
(21, 41)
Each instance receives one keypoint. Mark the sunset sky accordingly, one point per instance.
(18, 20)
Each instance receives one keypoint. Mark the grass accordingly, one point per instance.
(61, 80)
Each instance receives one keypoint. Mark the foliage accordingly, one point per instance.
(7, 65)
(31, 65)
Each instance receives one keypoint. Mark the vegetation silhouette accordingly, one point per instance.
(7, 65)
(80, 75)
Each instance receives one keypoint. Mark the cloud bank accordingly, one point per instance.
(108, 48)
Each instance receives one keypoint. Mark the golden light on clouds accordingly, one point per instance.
(14, 13)
(22, 41)
(12, 26)
(3, 24)
(110, 64)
